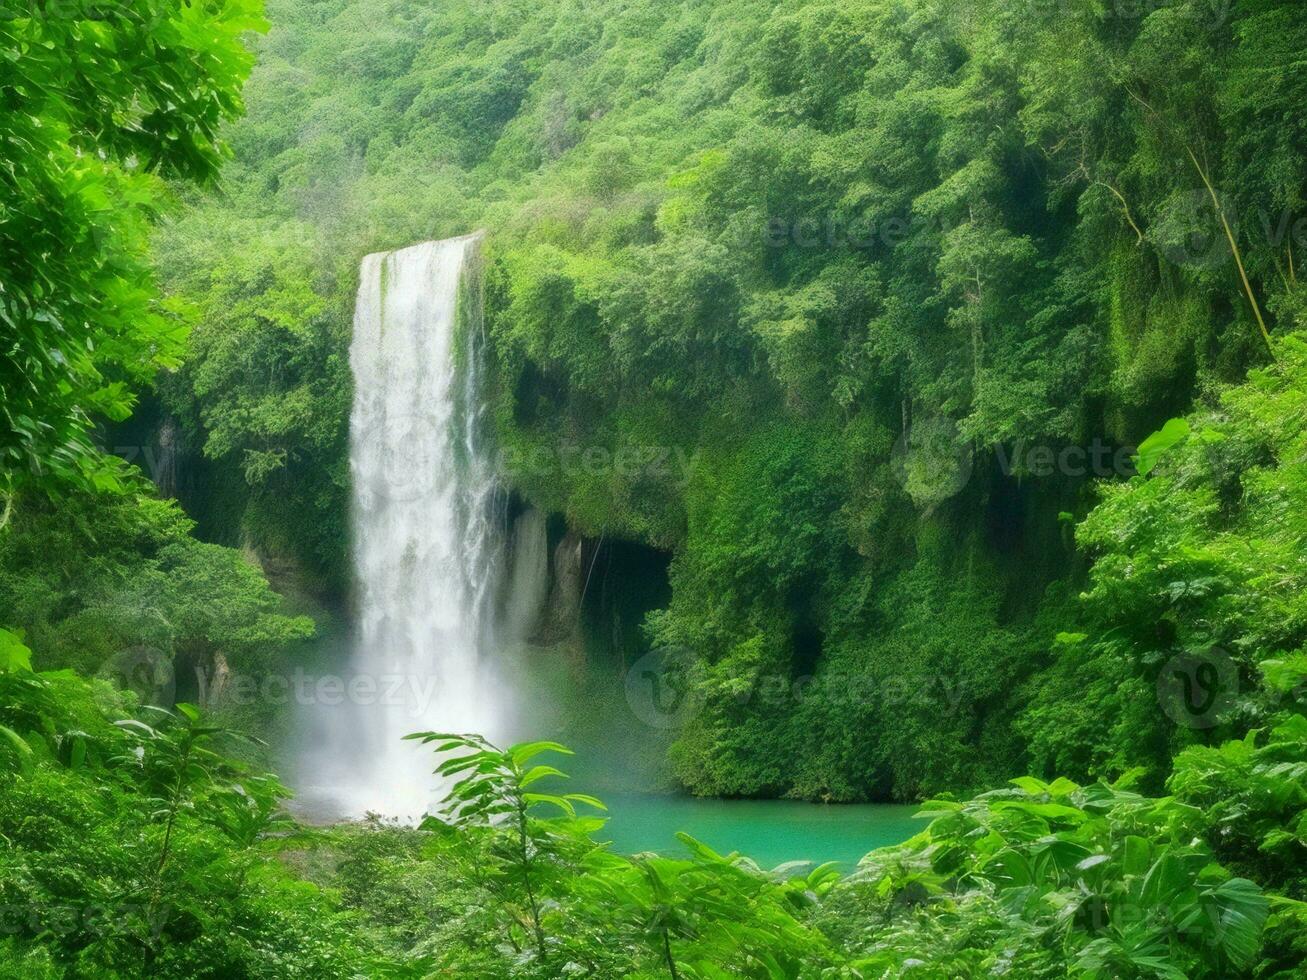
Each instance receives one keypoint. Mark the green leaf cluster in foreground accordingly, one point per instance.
(134, 846)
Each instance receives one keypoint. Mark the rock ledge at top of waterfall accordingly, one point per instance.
(471, 238)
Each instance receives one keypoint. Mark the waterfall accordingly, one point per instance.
(428, 542)
(443, 586)
(425, 557)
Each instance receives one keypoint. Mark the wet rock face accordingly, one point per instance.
(169, 438)
(525, 582)
(562, 618)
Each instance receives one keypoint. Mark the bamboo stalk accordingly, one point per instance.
(1234, 248)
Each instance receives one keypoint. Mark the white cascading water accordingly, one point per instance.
(428, 544)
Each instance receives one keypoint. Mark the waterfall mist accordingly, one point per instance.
(429, 540)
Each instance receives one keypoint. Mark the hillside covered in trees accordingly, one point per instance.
(846, 282)
(930, 377)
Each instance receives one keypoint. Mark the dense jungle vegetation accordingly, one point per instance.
(953, 357)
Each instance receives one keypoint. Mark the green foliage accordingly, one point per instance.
(564, 902)
(1041, 879)
(1201, 557)
(525, 864)
(1252, 794)
(115, 583)
(134, 849)
(264, 393)
(1053, 879)
(160, 856)
(96, 107)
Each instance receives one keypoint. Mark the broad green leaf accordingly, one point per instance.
(1241, 911)
(540, 772)
(18, 744)
(587, 800)
(546, 799)
(523, 753)
(189, 711)
(1152, 449)
(14, 656)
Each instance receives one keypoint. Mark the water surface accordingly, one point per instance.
(769, 831)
